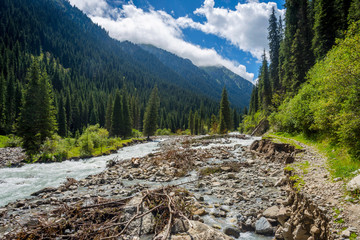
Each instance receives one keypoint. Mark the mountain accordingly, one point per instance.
(239, 89)
(206, 80)
(85, 66)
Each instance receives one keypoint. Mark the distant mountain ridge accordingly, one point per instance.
(208, 80)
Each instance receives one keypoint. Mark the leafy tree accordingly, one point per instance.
(37, 119)
(151, 114)
(116, 119)
(225, 114)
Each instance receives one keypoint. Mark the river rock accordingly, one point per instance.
(233, 232)
(271, 212)
(201, 231)
(263, 227)
(200, 212)
(354, 184)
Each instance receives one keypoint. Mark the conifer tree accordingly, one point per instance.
(126, 120)
(116, 118)
(151, 114)
(10, 103)
(109, 110)
(62, 119)
(69, 113)
(274, 46)
(2, 104)
(324, 27)
(191, 122)
(235, 119)
(225, 114)
(254, 100)
(196, 123)
(37, 118)
(264, 85)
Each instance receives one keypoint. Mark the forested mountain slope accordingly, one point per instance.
(206, 80)
(85, 65)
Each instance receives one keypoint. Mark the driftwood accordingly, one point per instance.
(105, 218)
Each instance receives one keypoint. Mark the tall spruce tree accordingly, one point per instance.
(254, 100)
(298, 34)
(264, 90)
(196, 123)
(191, 122)
(116, 118)
(274, 46)
(62, 119)
(324, 27)
(109, 110)
(126, 120)
(37, 118)
(151, 114)
(225, 112)
(2, 104)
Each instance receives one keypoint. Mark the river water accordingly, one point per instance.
(20, 183)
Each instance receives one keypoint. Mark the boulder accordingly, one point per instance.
(354, 184)
(271, 212)
(263, 227)
(233, 232)
(200, 231)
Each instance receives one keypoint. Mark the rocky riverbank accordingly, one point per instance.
(225, 189)
(11, 156)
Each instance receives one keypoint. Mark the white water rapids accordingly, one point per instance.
(19, 183)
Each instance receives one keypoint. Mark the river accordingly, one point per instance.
(20, 183)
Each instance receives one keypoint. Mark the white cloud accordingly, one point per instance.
(244, 27)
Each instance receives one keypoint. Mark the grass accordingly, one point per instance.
(3, 141)
(339, 162)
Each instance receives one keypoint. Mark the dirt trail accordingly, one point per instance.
(327, 193)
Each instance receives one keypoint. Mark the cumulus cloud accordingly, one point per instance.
(244, 27)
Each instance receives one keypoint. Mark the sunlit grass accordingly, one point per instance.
(340, 163)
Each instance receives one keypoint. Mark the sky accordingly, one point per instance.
(225, 33)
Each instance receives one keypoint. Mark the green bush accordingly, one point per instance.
(329, 104)
(13, 141)
(93, 137)
(161, 132)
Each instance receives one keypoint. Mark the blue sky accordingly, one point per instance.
(208, 32)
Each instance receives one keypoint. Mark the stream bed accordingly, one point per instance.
(236, 196)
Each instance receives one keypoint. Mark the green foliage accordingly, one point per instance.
(162, 132)
(151, 113)
(298, 182)
(117, 116)
(37, 120)
(251, 121)
(224, 113)
(3, 141)
(13, 141)
(93, 137)
(274, 37)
